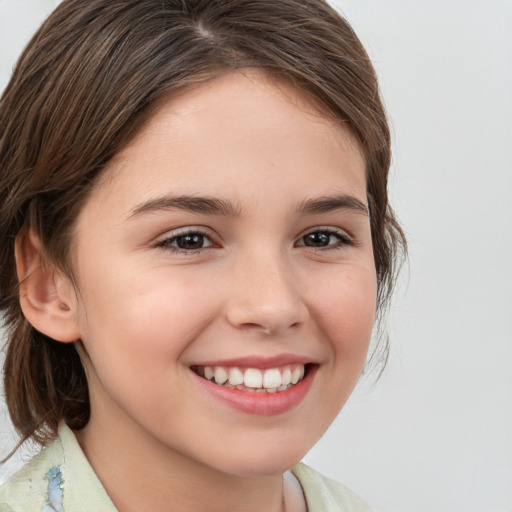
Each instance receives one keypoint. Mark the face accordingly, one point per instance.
(229, 240)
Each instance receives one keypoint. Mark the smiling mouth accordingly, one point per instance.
(271, 380)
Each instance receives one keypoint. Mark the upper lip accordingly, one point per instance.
(258, 362)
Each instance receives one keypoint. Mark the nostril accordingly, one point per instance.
(253, 326)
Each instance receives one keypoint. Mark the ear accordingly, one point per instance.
(47, 297)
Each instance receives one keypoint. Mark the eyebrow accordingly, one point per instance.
(215, 206)
(193, 204)
(327, 204)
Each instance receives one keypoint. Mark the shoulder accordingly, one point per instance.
(325, 495)
(58, 478)
(36, 486)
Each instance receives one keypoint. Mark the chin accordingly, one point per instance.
(258, 460)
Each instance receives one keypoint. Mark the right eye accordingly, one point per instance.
(189, 242)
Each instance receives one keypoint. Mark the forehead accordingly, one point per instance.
(230, 130)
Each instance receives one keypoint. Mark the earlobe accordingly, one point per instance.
(47, 297)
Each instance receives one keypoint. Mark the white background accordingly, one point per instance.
(435, 433)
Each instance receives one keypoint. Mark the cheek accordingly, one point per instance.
(347, 309)
(345, 314)
(149, 316)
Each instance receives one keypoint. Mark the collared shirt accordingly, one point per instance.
(60, 479)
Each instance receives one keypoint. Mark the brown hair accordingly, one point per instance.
(89, 78)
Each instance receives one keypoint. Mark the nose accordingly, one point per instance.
(265, 296)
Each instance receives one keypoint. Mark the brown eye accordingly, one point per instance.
(189, 242)
(325, 239)
(317, 239)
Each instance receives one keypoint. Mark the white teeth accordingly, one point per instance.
(221, 375)
(296, 375)
(253, 378)
(236, 377)
(272, 378)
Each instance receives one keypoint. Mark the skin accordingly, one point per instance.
(145, 312)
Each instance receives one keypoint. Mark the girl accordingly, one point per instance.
(196, 240)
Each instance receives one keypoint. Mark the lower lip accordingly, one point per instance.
(260, 403)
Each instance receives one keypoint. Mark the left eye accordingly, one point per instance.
(324, 238)
(187, 242)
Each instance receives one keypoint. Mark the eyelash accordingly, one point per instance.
(343, 241)
(166, 243)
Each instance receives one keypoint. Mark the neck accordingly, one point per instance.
(148, 475)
